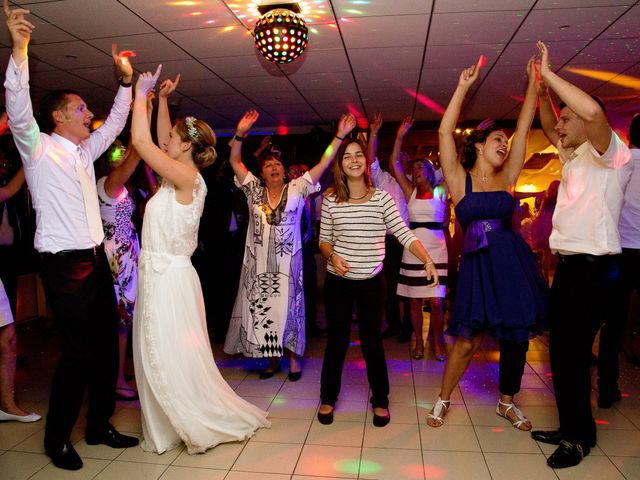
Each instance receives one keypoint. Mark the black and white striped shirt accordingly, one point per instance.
(357, 232)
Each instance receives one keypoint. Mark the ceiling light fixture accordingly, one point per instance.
(280, 35)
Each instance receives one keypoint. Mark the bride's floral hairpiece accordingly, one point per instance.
(191, 128)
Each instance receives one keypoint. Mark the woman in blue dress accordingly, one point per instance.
(500, 290)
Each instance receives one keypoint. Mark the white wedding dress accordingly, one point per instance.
(183, 396)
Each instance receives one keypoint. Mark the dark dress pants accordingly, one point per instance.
(513, 357)
(340, 296)
(79, 289)
(581, 295)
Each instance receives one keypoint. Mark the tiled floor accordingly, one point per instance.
(474, 443)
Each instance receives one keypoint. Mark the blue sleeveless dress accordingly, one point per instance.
(500, 289)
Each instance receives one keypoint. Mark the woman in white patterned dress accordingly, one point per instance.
(269, 313)
(183, 396)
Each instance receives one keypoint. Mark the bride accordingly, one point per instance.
(183, 396)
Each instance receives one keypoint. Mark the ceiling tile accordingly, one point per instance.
(150, 47)
(56, 79)
(188, 69)
(349, 8)
(363, 59)
(242, 66)
(477, 27)
(70, 55)
(105, 18)
(482, 5)
(542, 4)
(324, 36)
(590, 76)
(567, 23)
(198, 88)
(43, 33)
(392, 80)
(461, 56)
(215, 42)
(35, 65)
(105, 76)
(169, 16)
(334, 83)
(626, 26)
(396, 31)
(318, 61)
(610, 51)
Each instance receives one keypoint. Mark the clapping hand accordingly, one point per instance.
(146, 82)
(346, 123)
(168, 87)
(545, 63)
(125, 69)
(19, 28)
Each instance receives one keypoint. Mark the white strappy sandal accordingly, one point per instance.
(436, 417)
(522, 423)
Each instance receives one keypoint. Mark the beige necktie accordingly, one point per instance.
(91, 207)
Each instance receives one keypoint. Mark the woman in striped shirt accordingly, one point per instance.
(355, 218)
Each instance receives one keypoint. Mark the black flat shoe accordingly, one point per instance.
(568, 455)
(553, 437)
(64, 456)
(294, 376)
(110, 437)
(607, 400)
(264, 374)
(381, 420)
(325, 418)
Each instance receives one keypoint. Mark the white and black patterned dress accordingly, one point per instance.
(122, 248)
(269, 310)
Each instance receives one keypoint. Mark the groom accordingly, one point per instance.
(59, 170)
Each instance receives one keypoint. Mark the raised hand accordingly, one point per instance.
(376, 123)
(19, 27)
(545, 63)
(122, 63)
(168, 87)
(246, 122)
(532, 69)
(405, 126)
(470, 75)
(146, 82)
(346, 123)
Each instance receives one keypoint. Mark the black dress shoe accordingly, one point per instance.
(381, 420)
(64, 456)
(325, 418)
(606, 400)
(294, 376)
(553, 437)
(264, 374)
(110, 437)
(568, 455)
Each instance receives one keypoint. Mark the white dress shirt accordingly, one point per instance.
(590, 199)
(49, 164)
(629, 225)
(385, 181)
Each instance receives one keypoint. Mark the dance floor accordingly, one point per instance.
(473, 444)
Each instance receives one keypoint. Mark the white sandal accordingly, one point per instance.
(521, 419)
(436, 417)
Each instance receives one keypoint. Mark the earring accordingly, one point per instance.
(481, 152)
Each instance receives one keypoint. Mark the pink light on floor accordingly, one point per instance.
(431, 471)
(497, 430)
(602, 422)
(426, 101)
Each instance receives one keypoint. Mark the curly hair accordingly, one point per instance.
(469, 155)
(203, 142)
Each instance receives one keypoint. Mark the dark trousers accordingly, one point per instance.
(9, 260)
(614, 323)
(513, 357)
(309, 273)
(79, 290)
(391, 272)
(581, 295)
(340, 296)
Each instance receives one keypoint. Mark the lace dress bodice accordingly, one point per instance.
(171, 227)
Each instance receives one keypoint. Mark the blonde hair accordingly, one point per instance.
(202, 138)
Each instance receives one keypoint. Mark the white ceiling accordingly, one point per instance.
(399, 57)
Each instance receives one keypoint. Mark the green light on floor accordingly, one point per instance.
(279, 401)
(368, 467)
(353, 466)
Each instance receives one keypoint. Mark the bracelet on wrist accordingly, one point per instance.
(122, 83)
(339, 138)
(238, 138)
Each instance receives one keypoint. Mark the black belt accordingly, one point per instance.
(427, 225)
(584, 257)
(83, 253)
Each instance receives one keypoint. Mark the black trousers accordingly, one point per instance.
(513, 357)
(581, 295)
(9, 260)
(611, 332)
(340, 296)
(309, 273)
(391, 272)
(79, 289)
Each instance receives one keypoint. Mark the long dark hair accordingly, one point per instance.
(469, 155)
